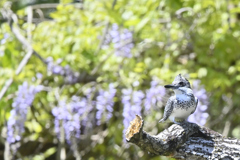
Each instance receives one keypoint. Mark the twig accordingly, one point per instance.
(62, 154)
(94, 71)
(76, 153)
(102, 39)
(24, 41)
(7, 151)
(226, 128)
(6, 86)
(101, 44)
(105, 32)
(229, 16)
(61, 146)
(40, 14)
(13, 18)
(181, 10)
(47, 5)
(33, 111)
(29, 21)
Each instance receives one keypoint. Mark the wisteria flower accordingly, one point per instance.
(132, 105)
(72, 116)
(154, 95)
(122, 41)
(18, 114)
(200, 115)
(69, 75)
(104, 104)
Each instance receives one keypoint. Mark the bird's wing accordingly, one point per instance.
(196, 101)
(168, 110)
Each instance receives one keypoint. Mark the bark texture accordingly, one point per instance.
(184, 141)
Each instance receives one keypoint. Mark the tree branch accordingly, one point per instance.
(184, 141)
(94, 71)
(12, 17)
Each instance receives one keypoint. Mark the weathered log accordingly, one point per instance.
(184, 141)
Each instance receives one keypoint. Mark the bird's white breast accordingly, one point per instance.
(181, 113)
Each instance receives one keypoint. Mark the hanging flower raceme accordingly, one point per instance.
(69, 75)
(71, 116)
(104, 104)
(18, 114)
(154, 95)
(132, 105)
(122, 40)
(200, 115)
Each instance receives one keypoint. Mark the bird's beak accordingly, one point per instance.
(171, 86)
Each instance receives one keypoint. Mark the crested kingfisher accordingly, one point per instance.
(182, 104)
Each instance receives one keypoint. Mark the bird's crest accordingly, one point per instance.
(179, 78)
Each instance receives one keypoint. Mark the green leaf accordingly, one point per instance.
(142, 23)
(202, 72)
(50, 152)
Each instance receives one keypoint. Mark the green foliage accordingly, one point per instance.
(198, 38)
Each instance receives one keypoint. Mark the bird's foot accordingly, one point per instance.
(176, 122)
(179, 122)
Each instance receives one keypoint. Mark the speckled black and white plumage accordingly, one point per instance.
(179, 78)
(183, 103)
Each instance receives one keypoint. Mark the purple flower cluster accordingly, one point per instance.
(23, 100)
(39, 75)
(71, 116)
(200, 115)
(132, 105)
(70, 76)
(5, 37)
(122, 41)
(3, 41)
(154, 95)
(104, 104)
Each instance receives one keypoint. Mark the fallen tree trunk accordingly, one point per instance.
(184, 141)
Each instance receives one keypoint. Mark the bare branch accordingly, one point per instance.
(5, 87)
(46, 5)
(94, 71)
(181, 10)
(13, 18)
(184, 141)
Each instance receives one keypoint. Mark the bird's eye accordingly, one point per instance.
(181, 83)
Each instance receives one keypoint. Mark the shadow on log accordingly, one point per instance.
(184, 141)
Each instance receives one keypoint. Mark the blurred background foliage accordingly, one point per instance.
(98, 63)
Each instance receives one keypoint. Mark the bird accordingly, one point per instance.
(182, 104)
